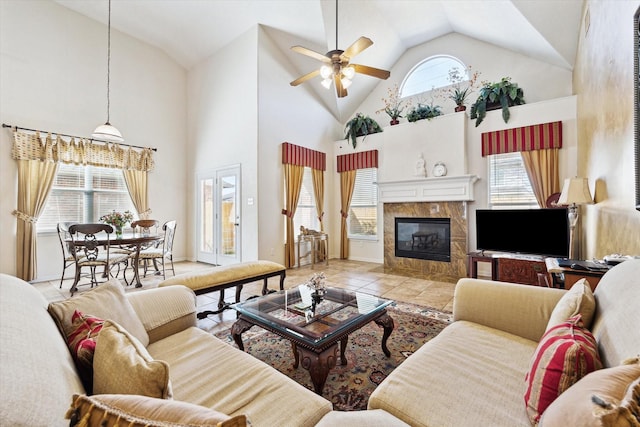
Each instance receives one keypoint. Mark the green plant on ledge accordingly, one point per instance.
(423, 111)
(502, 94)
(360, 125)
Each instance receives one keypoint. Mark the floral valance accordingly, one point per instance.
(31, 146)
(301, 156)
(526, 138)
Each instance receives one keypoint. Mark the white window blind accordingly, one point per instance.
(363, 212)
(306, 214)
(509, 185)
(83, 194)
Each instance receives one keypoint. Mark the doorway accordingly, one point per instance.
(219, 216)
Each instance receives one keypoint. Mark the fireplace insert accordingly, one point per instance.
(423, 238)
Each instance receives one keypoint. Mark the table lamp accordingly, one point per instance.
(575, 191)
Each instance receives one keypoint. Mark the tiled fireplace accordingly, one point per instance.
(429, 214)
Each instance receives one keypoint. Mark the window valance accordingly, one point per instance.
(361, 160)
(527, 138)
(31, 146)
(301, 156)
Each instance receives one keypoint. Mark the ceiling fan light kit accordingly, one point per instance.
(107, 131)
(336, 65)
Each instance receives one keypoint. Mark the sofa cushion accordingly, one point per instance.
(82, 343)
(566, 353)
(211, 373)
(107, 301)
(602, 398)
(577, 300)
(121, 365)
(141, 411)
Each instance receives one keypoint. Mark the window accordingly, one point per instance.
(432, 73)
(83, 194)
(306, 214)
(509, 185)
(363, 212)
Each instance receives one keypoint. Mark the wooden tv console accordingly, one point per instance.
(506, 267)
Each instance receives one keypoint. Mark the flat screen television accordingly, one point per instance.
(527, 231)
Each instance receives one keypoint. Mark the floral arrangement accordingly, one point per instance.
(457, 92)
(393, 105)
(117, 219)
(317, 282)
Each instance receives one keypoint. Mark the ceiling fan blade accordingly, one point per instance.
(304, 78)
(340, 90)
(311, 53)
(358, 46)
(371, 71)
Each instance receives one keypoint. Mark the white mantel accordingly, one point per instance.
(433, 189)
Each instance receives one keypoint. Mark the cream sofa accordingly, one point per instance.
(472, 373)
(39, 378)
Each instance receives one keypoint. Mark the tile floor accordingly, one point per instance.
(354, 275)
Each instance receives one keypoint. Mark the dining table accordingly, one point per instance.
(133, 242)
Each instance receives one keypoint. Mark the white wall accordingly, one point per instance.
(53, 77)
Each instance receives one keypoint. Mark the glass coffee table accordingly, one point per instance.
(314, 330)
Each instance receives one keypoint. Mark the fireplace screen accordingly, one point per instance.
(423, 238)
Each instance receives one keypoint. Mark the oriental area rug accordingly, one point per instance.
(349, 386)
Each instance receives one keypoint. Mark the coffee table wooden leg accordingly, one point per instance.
(237, 329)
(319, 365)
(386, 322)
(343, 348)
(296, 356)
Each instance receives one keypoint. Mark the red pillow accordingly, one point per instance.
(566, 353)
(82, 343)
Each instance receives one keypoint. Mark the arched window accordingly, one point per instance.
(432, 73)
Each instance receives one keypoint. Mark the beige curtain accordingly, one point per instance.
(137, 185)
(542, 169)
(347, 184)
(318, 193)
(293, 183)
(34, 184)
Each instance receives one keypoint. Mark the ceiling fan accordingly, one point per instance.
(337, 67)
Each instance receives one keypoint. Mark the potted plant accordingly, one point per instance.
(360, 125)
(423, 111)
(457, 92)
(393, 105)
(502, 94)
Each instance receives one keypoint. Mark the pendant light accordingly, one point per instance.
(106, 131)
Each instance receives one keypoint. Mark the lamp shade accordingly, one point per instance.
(575, 191)
(107, 133)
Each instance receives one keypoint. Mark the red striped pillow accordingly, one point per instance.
(82, 343)
(566, 353)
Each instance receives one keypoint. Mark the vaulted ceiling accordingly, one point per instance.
(190, 31)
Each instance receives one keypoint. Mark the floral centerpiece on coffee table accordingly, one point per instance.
(117, 220)
(317, 285)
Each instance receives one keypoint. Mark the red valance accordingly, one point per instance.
(527, 138)
(301, 156)
(361, 160)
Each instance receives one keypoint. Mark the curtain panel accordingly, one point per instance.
(527, 138)
(293, 184)
(542, 170)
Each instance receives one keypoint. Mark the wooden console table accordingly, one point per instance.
(318, 252)
(526, 270)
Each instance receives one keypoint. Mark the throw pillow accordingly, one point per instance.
(82, 343)
(121, 365)
(141, 411)
(566, 353)
(577, 300)
(106, 301)
(608, 397)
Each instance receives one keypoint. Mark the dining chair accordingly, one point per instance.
(90, 248)
(67, 256)
(163, 252)
(144, 225)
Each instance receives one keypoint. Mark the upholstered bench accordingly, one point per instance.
(228, 276)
